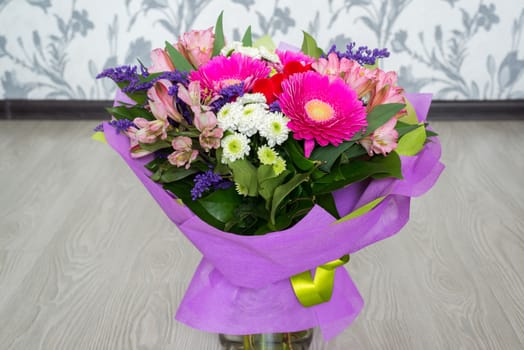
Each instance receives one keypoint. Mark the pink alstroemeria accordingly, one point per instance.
(204, 120)
(332, 66)
(210, 138)
(383, 140)
(161, 62)
(184, 154)
(191, 96)
(149, 131)
(161, 103)
(197, 46)
(385, 90)
(134, 146)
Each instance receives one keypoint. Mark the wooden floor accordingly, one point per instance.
(88, 261)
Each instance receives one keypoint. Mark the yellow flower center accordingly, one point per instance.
(319, 111)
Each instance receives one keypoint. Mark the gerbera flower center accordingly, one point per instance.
(319, 111)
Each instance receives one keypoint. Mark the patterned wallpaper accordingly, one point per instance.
(456, 49)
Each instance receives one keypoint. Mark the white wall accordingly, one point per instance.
(457, 49)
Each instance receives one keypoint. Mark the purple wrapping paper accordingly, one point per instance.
(242, 283)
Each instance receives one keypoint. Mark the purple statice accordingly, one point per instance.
(174, 77)
(207, 180)
(362, 54)
(120, 74)
(140, 82)
(99, 127)
(122, 125)
(275, 107)
(227, 94)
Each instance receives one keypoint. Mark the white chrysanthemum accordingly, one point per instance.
(257, 97)
(237, 46)
(279, 166)
(267, 155)
(230, 48)
(268, 55)
(234, 146)
(229, 115)
(252, 52)
(241, 189)
(250, 118)
(274, 128)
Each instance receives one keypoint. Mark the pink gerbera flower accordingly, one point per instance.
(222, 71)
(321, 111)
(292, 56)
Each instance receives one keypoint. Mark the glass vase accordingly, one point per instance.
(269, 341)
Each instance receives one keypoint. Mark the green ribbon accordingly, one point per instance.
(313, 291)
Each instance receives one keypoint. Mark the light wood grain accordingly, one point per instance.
(88, 261)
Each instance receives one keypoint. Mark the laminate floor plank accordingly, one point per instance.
(89, 261)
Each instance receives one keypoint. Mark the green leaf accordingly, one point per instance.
(179, 61)
(355, 151)
(411, 143)
(247, 39)
(129, 113)
(268, 181)
(153, 147)
(174, 173)
(327, 202)
(403, 128)
(310, 47)
(329, 154)
(381, 114)
(156, 175)
(358, 170)
(219, 35)
(266, 42)
(245, 175)
(296, 153)
(221, 204)
(362, 210)
(154, 164)
(182, 189)
(430, 133)
(283, 191)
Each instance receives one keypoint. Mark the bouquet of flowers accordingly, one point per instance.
(275, 163)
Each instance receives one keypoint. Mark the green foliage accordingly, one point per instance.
(358, 170)
(153, 147)
(310, 47)
(296, 154)
(329, 154)
(182, 189)
(283, 191)
(173, 173)
(245, 175)
(178, 60)
(221, 204)
(327, 202)
(129, 113)
(247, 39)
(381, 114)
(268, 182)
(219, 36)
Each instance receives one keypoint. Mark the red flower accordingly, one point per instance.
(272, 87)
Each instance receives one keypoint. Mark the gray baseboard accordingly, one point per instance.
(94, 110)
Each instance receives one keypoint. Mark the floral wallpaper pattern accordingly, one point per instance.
(456, 49)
